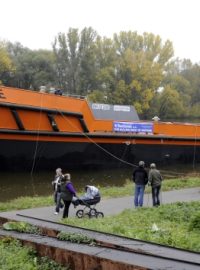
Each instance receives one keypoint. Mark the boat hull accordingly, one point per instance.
(18, 155)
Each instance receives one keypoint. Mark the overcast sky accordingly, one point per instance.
(35, 23)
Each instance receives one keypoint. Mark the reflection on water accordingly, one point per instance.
(23, 184)
(14, 185)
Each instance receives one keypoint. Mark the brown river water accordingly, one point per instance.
(14, 185)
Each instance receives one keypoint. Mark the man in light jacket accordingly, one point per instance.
(155, 180)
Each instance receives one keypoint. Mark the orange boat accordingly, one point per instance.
(43, 130)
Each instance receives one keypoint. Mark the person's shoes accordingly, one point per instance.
(55, 213)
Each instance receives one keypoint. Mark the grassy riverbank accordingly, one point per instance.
(106, 192)
(176, 225)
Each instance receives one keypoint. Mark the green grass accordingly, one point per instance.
(106, 192)
(15, 256)
(170, 184)
(26, 203)
(177, 224)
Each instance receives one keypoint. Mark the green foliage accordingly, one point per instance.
(195, 110)
(171, 105)
(76, 238)
(192, 74)
(142, 62)
(32, 68)
(14, 256)
(97, 96)
(5, 61)
(122, 93)
(171, 222)
(75, 60)
(6, 65)
(21, 226)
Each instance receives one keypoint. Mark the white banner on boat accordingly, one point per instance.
(98, 106)
(133, 127)
(120, 108)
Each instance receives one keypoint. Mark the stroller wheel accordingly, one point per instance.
(92, 212)
(99, 215)
(79, 213)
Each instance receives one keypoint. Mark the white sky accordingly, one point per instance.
(35, 23)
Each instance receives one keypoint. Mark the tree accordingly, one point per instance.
(32, 68)
(192, 75)
(106, 62)
(141, 66)
(6, 65)
(171, 105)
(75, 60)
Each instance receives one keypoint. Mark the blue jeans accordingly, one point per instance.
(139, 195)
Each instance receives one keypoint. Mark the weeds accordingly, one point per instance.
(21, 226)
(76, 238)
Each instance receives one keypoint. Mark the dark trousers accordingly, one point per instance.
(66, 208)
(155, 195)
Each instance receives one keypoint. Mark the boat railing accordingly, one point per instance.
(74, 96)
(64, 94)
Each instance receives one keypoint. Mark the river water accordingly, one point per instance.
(14, 185)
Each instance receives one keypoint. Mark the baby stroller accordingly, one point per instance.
(89, 209)
(89, 204)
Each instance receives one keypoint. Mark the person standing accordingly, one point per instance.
(56, 187)
(140, 178)
(155, 180)
(67, 193)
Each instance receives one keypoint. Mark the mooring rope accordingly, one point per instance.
(36, 146)
(173, 173)
(92, 141)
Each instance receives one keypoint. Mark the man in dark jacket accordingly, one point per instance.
(140, 178)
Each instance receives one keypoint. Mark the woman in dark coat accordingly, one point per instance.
(67, 193)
